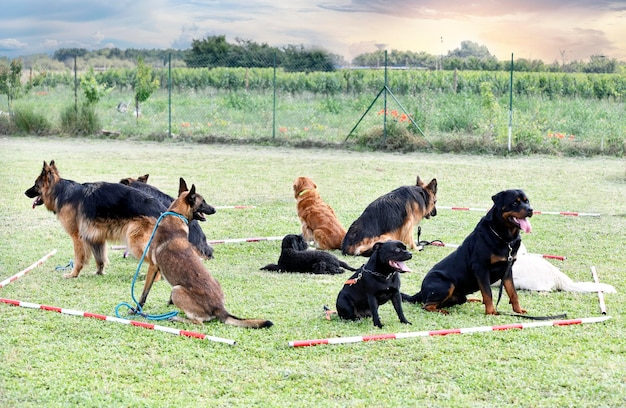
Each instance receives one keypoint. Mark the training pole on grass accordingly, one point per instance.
(566, 213)
(594, 274)
(97, 316)
(444, 332)
(441, 244)
(25, 271)
(237, 240)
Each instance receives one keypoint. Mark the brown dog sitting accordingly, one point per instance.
(319, 221)
(194, 289)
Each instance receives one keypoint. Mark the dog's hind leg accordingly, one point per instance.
(100, 255)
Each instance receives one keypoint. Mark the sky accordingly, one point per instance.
(549, 30)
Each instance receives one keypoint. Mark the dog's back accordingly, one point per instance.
(319, 221)
(196, 234)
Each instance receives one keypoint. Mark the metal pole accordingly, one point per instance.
(274, 102)
(385, 102)
(169, 94)
(75, 89)
(511, 103)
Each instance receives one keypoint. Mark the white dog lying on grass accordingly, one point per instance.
(533, 272)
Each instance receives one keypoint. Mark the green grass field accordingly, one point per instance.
(52, 359)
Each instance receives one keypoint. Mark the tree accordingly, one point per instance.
(10, 80)
(144, 84)
(92, 89)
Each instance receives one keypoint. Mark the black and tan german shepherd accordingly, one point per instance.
(194, 289)
(391, 217)
(196, 235)
(94, 213)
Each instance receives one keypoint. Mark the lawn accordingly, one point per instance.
(53, 359)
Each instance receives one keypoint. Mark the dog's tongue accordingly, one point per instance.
(524, 225)
(35, 203)
(399, 265)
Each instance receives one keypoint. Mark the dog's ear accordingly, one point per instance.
(143, 179)
(182, 186)
(419, 182)
(190, 198)
(377, 246)
(432, 186)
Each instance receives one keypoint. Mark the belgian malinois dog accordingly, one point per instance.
(194, 290)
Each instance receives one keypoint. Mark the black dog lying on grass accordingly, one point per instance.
(375, 283)
(295, 256)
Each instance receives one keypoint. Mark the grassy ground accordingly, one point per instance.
(52, 359)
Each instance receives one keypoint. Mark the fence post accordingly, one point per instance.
(75, 89)
(169, 95)
(511, 104)
(274, 102)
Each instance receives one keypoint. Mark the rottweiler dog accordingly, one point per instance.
(484, 257)
(375, 283)
(295, 256)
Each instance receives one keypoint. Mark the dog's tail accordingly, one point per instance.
(248, 323)
(416, 298)
(346, 266)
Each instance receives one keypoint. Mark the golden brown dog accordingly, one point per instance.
(194, 289)
(319, 221)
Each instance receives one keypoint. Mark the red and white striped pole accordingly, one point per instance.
(441, 244)
(25, 271)
(236, 240)
(145, 325)
(566, 213)
(444, 332)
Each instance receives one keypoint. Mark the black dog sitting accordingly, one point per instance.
(375, 283)
(485, 256)
(295, 256)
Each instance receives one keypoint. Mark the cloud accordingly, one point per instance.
(11, 44)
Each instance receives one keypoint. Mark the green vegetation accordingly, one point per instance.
(52, 359)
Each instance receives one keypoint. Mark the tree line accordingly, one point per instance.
(215, 51)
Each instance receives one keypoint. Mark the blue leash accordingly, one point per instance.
(137, 309)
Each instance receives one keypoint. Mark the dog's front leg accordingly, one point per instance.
(397, 304)
(512, 293)
(373, 304)
(485, 290)
(153, 271)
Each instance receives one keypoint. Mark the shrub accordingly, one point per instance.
(84, 121)
(26, 120)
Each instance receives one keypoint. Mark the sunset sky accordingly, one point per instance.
(535, 29)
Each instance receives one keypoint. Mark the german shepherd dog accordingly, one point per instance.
(318, 219)
(485, 256)
(295, 256)
(375, 283)
(194, 290)
(196, 235)
(391, 216)
(93, 213)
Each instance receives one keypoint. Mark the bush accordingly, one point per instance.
(26, 120)
(85, 121)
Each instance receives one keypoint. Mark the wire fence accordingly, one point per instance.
(269, 98)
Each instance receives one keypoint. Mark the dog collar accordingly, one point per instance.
(303, 192)
(387, 277)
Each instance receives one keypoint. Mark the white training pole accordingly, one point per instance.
(444, 332)
(600, 293)
(25, 271)
(567, 213)
(145, 325)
